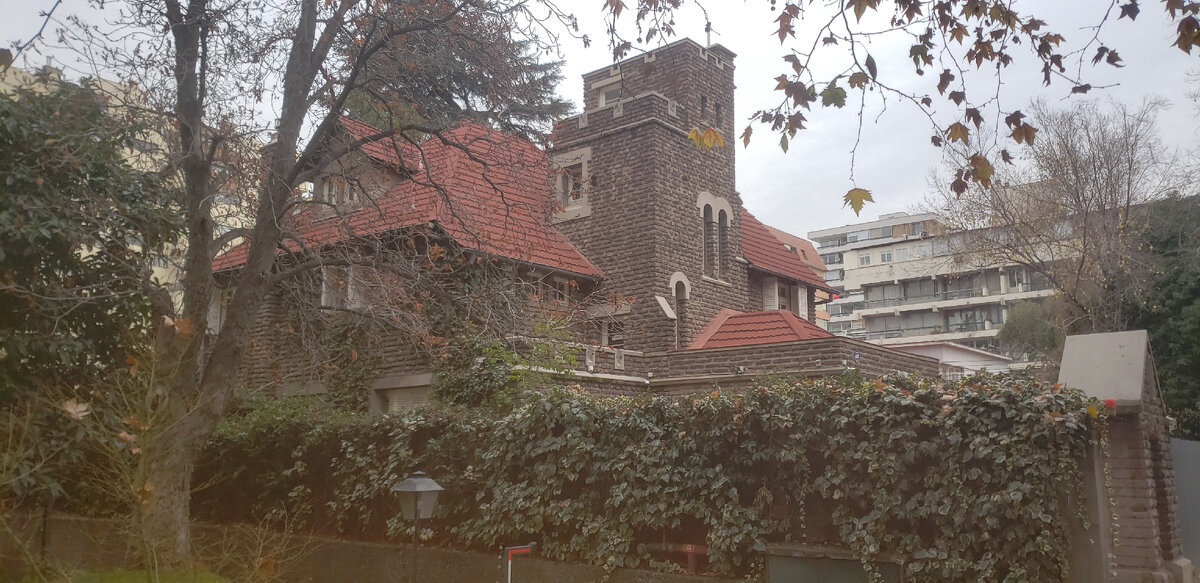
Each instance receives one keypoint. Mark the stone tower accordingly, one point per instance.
(657, 213)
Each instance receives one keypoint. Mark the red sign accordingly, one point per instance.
(521, 550)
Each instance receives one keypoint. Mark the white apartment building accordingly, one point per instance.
(908, 285)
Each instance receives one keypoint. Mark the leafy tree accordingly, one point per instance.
(1167, 304)
(314, 57)
(224, 58)
(1028, 329)
(1070, 213)
(474, 68)
(79, 230)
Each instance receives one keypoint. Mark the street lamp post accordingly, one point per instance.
(418, 497)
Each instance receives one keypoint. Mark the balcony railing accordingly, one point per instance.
(956, 294)
(844, 309)
(926, 330)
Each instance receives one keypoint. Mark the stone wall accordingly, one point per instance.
(646, 176)
(690, 371)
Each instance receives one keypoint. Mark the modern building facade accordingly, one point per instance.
(906, 283)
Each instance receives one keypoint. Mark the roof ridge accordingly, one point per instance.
(794, 322)
(712, 328)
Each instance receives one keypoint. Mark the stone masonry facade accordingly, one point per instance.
(661, 218)
(646, 177)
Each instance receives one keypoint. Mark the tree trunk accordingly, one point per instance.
(164, 515)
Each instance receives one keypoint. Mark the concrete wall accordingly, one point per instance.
(1117, 367)
(1186, 455)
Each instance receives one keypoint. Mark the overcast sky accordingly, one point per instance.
(801, 191)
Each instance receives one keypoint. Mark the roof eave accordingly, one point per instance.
(821, 287)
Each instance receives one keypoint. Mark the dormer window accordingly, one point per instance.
(570, 184)
(336, 190)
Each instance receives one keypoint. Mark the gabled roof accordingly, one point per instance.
(733, 328)
(487, 190)
(766, 252)
(808, 253)
(392, 151)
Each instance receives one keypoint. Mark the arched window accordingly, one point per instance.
(680, 315)
(722, 245)
(710, 264)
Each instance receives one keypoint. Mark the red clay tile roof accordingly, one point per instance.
(501, 208)
(808, 253)
(733, 328)
(394, 152)
(766, 252)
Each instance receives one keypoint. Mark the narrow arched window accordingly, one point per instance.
(710, 263)
(680, 315)
(722, 245)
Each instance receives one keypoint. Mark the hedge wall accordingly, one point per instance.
(960, 482)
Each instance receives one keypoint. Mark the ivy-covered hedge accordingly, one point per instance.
(966, 482)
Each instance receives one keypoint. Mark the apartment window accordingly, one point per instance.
(902, 254)
(1018, 280)
(885, 256)
(864, 259)
(831, 258)
(717, 111)
(835, 274)
(885, 231)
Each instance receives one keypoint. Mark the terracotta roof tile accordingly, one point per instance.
(766, 252)
(733, 328)
(494, 199)
(394, 152)
(808, 253)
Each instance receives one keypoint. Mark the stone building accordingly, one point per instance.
(622, 205)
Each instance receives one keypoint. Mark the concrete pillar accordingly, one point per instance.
(1117, 366)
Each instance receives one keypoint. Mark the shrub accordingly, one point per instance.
(962, 482)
